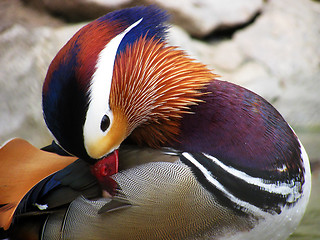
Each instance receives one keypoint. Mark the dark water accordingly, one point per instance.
(309, 227)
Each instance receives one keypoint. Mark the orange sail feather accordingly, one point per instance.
(22, 166)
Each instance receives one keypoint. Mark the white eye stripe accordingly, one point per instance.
(99, 90)
(102, 77)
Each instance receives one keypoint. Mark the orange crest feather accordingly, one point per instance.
(152, 84)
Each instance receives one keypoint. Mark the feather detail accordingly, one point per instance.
(161, 83)
(23, 166)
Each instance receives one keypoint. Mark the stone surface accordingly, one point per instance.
(285, 42)
(277, 56)
(76, 10)
(25, 56)
(198, 17)
(202, 17)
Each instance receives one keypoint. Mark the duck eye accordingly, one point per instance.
(105, 123)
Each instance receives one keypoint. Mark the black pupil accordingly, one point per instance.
(105, 123)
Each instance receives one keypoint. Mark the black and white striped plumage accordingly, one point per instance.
(170, 199)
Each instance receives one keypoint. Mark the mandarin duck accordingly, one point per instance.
(177, 153)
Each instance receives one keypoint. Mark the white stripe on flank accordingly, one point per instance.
(219, 186)
(307, 173)
(99, 91)
(281, 188)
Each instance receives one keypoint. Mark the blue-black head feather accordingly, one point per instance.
(153, 25)
(64, 106)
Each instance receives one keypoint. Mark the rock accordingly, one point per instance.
(226, 56)
(81, 10)
(20, 86)
(15, 12)
(182, 40)
(285, 42)
(255, 77)
(200, 18)
(228, 60)
(25, 57)
(276, 56)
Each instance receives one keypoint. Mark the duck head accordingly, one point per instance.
(116, 75)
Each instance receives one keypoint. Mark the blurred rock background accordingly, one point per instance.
(271, 47)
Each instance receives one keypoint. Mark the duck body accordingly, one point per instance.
(176, 206)
(219, 162)
(229, 176)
